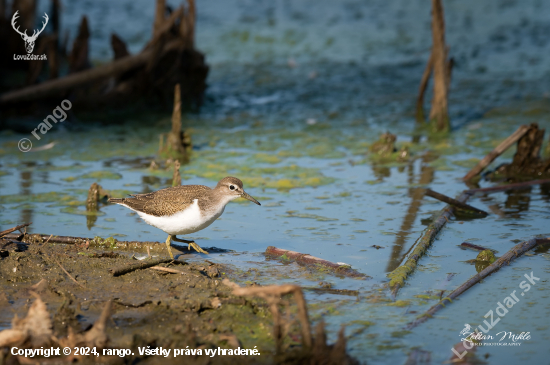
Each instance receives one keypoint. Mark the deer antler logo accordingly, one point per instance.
(29, 41)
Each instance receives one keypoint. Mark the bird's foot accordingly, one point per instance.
(196, 247)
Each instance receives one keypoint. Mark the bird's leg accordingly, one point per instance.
(191, 244)
(168, 246)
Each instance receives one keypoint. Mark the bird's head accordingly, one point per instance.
(233, 188)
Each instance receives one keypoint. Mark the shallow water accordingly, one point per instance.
(297, 133)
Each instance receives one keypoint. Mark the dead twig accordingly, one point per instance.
(7, 231)
(455, 203)
(515, 252)
(474, 247)
(167, 269)
(312, 261)
(49, 238)
(66, 272)
(503, 146)
(139, 266)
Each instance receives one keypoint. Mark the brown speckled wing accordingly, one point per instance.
(167, 201)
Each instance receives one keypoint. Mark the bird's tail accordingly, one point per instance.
(116, 200)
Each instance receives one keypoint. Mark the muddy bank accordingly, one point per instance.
(191, 309)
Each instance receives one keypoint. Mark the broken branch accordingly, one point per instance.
(474, 247)
(66, 272)
(399, 275)
(503, 146)
(167, 269)
(139, 266)
(7, 231)
(455, 203)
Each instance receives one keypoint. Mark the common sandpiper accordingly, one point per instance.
(185, 209)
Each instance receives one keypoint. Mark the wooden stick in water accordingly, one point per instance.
(508, 257)
(503, 146)
(455, 203)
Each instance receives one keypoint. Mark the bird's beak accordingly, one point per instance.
(248, 197)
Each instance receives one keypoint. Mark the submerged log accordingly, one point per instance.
(312, 261)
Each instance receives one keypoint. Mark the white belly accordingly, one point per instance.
(187, 221)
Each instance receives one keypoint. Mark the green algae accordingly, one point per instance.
(362, 322)
(486, 256)
(119, 193)
(468, 163)
(265, 158)
(400, 334)
(283, 178)
(101, 175)
(52, 196)
(399, 303)
(109, 242)
(441, 164)
(428, 297)
(294, 214)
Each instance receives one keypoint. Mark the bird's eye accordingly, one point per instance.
(231, 187)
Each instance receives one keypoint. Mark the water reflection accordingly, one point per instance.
(417, 194)
(517, 201)
(26, 182)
